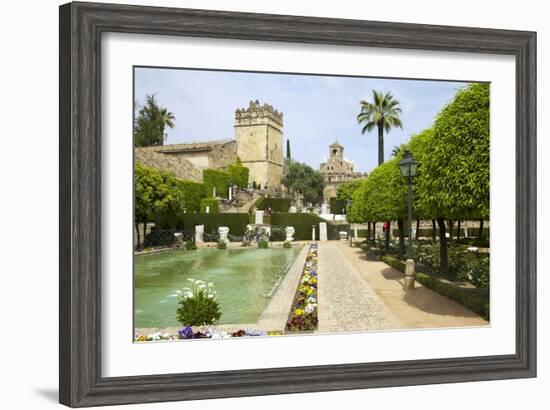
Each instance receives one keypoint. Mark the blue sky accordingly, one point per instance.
(318, 110)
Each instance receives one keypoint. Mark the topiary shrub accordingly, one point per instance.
(222, 245)
(190, 245)
(198, 306)
(287, 245)
(263, 244)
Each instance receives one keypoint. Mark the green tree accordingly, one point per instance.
(382, 197)
(151, 122)
(153, 194)
(453, 181)
(383, 113)
(300, 177)
(345, 190)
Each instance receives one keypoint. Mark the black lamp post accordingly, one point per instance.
(408, 167)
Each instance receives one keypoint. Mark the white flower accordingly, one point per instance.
(210, 285)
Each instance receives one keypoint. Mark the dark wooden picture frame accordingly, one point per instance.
(81, 27)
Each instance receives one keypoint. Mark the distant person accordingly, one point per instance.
(386, 230)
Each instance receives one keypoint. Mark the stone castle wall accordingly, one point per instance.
(211, 154)
(180, 167)
(259, 136)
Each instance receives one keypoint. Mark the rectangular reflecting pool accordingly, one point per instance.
(242, 278)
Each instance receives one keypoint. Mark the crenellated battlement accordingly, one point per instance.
(258, 113)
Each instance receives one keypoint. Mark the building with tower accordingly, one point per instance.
(337, 170)
(257, 142)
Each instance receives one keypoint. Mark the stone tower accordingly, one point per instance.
(336, 170)
(259, 136)
(336, 151)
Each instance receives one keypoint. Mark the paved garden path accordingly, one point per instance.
(419, 308)
(346, 301)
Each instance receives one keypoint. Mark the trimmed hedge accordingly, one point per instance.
(238, 174)
(362, 233)
(236, 222)
(336, 205)
(427, 232)
(215, 178)
(159, 237)
(212, 204)
(276, 204)
(302, 224)
(469, 298)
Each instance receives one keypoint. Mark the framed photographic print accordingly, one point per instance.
(259, 204)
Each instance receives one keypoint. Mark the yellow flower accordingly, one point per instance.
(299, 312)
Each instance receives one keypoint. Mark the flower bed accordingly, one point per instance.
(303, 313)
(188, 333)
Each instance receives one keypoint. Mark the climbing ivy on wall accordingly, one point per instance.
(215, 178)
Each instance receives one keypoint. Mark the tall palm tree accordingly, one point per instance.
(398, 149)
(151, 123)
(383, 113)
(166, 119)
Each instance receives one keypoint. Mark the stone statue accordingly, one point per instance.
(289, 230)
(223, 231)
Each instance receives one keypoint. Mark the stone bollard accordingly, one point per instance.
(199, 233)
(323, 231)
(410, 275)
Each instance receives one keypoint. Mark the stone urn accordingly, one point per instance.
(178, 236)
(343, 235)
(223, 231)
(289, 231)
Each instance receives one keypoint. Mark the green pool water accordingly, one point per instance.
(242, 279)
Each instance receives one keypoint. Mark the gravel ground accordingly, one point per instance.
(346, 301)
